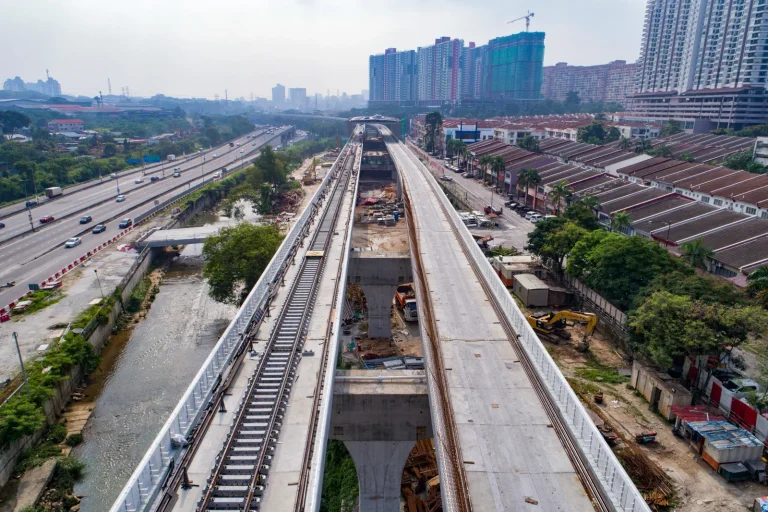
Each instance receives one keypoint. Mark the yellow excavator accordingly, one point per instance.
(554, 324)
(310, 175)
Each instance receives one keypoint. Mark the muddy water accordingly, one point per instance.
(143, 377)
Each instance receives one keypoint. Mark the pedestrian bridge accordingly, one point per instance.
(181, 236)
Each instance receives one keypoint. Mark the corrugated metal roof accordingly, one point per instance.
(744, 255)
(656, 207)
(680, 215)
(698, 227)
(736, 234)
(649, 194)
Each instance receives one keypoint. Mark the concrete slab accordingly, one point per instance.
(32, 485)
(503, 428)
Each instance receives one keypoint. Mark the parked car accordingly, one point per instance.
(120, 198)
(536, 218)
(46, 219)
(530, 214)
(2, 225)
(85, 219)
(467, 175)
(125, 223)
(446, 178)
(99, 228)
(72, 242)
(154, 178)
(138, 180)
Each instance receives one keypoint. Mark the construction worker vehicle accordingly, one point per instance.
(405, 297)
(554, 324)
(310, 175)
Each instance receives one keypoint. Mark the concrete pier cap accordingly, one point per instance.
(379, 415)
(379, 273)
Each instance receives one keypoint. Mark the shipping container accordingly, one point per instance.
(658, 388)
(531, 290)
(53, 191)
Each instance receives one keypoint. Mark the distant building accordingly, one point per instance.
(66, 125)
(278, 95)
(50, 87)
(439, 69)
(608, 83)
(297, 97)
(393, 77)
(472, 72)
(704, 64)
(365, 93)
(514, 67)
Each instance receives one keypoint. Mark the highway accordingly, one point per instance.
(35, 257)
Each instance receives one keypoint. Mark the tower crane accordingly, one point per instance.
(527, 19)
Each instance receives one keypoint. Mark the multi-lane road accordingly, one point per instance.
(34, 257)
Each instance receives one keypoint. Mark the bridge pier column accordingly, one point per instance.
(379, 467)
(379, 301)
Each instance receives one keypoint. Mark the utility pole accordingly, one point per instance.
(21, 362)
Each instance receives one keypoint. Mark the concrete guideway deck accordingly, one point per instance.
(511, 456)
(286, 460)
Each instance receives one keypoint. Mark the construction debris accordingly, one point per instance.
(420, 484)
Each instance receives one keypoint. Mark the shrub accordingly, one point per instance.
(57, 433)
(74, 439)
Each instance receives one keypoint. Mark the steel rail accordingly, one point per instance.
(236, 464)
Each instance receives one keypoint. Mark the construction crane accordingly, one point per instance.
(527, 19)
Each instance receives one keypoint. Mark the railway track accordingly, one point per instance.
(242, 467)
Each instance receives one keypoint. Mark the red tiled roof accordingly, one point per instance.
(59, 121)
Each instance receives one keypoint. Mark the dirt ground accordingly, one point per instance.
(372, 236)
(698, 488)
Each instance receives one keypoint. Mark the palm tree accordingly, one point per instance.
(485, 162)
(498, 165)
(462, 151)
(528, 178)
(625, 143)
(696, 253)
(559, 192)
(620, 220)
(434, 122)
(591, 202)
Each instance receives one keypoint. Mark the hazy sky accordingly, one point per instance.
(200, 48)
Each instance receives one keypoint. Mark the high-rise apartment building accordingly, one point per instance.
(49, 87)
(298, 97)
(514, 67)
(472, 73)
(440, 72)
(393, 77)
(608, 83)
(278, 95)
(704, 62)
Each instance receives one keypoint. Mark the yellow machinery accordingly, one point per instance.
(310, 175)
(555, 323)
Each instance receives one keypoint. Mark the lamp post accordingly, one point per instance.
(21, 362)
(29, 209)
(117, 183)
(99, 281)
(666, 223)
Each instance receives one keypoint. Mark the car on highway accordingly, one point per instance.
(31, 203)
(217, 174)
(214, 155)
(177, 174)
(99, 228)
(125, 223)
(446, 178)
(46, 219)
(72, 242)
(85, 219)
(154, 178)
(120, 198)
(2, 225)
(113, 175)
(254, 144)
(138, 180)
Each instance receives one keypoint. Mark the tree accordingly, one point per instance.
(559, 243)
(620, 220)
(618, 267)
(538, 237)
(704, 288)
(485, 162)
(757, 284)
(671, 128)
(642, 145)
(213, 135)
(612, 135)
(273, 170)
(559, 192)
(686, 157)
(668, 326)
(110, 149)
(19, 417)
(528, 178)
(529, 144)
(572, 100)
(236, 257)
(12, 121)
(743, 161)
(434, 122)
(662, 151)
(497, 166)
(696, 253)
(583, 215)
(593, 133)
(625, 143)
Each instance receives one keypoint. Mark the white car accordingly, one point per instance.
(138, 180)
(214, 155)
(72, 242)
(536, 218)
(120, 198)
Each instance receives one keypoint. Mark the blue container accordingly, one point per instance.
(397, 215)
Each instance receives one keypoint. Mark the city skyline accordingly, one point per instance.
(248, 48)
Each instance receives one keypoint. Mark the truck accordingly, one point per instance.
(53, 191)
(171, 158)
(231, 144)
(405, 298)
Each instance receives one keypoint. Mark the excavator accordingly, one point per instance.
(554, 324)
(310, 175)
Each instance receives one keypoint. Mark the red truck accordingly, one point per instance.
(405, 295)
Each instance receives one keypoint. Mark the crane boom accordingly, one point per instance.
(527, 19)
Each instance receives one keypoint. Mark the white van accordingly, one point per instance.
(531, 214)
(536, 218)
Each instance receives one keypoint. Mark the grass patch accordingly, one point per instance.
(41, 299)
(139, 293)
(597, 372)
(581, 387)
(340, 487)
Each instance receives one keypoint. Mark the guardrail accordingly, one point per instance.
(145, 482)
(611, 475)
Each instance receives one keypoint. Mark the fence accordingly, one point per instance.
(144, 483)
(606, 467)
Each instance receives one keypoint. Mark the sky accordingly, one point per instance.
(196, 48)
